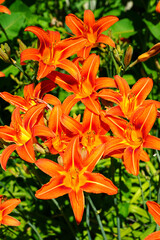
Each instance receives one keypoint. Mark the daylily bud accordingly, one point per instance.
(4, 56)
(116, 55)
(39, 148)
(157, 64)
(7, 49)
(60, 160)
(150, 53)
(22, 46)
(128, 55)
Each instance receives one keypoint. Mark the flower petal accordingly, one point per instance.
(154, 210)
(30, 54)
(105, 39)
(153, 236)
(97, 183)
(77, 203)
(75, 24)
(104, 23)
(71, 124)
(49, 167)
(8, 206)
(5, 9)
(89, 19)
(10, 221)
(68, 103)
(6, 154)
(53, 189)
(104, 82)
(26, 151)
(152, 142)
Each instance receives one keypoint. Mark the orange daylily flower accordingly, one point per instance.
(52, 52)
(4, 9)
(150, 53)
(85, 88)
(6, 208)
(91, 30)
(128, 100)
(132, 137)
(56, 138)
(20, 133)
(74, 177)
(154, 210)
(32, 96)
(90, 131)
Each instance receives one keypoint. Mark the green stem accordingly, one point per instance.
(35, 230)
(118, 219)
(98, 218)
(144, 205)
(87, 220)
(20, 69)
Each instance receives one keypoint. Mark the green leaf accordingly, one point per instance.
(137, 195)
(11, 24)
(140, 211)
(154, 29)
(123, 28)
(123, 209)
(148, 231)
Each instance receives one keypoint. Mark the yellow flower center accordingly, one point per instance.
(22, 136)
(133, 137)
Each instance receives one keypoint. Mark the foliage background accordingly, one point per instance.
(122, 215)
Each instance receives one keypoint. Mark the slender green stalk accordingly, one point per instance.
(35, 229)
(87, 220)
(98, 218)
(118, 219)
(144, 205)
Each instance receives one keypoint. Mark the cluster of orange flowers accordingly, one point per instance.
(80, 144)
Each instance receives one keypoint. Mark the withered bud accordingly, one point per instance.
(4, 56)
(150, 53)
(128, 55)
(22, 46)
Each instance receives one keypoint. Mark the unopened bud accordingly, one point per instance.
(116, 55)
(157, 64)
(128, 55)
(4, 56)
(150, 53)
(39, 148)
(22, 46)
(7, 49)
(60, 160)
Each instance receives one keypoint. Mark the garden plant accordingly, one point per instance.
(80, 120)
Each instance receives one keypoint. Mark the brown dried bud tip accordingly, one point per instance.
(128, 55)
(150, 53)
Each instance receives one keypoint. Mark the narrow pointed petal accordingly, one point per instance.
(92, 104)
(97, 183)
(5, 10)
(105, 39)
(6, 154)
(44, 87)
(30, 54)
(15, 100)
(8, 206)
(31, 117)
(110, 95)
(44, 70)
(90, 68)
(141, 89)
(93, 158)
(77, 203)
(153, 236)
(54, 119)
(71, 124)
(70, 67)
(104, 23)
(10, 221)
(152, 142)
(68, 47)
(49, 167)
(131, 160)
(29, 91)
(2, 74)
(40, 130)
(49, 98)
(89, 19)
(122, 85)
(104, 82)
(53, 189)
(75, 24)
(117, 124)
(41, 34)
(90, 121)
(26, 151)
(144, 119)
(114, 145)
(144, 156)
(154, 210)
(68, 103)
(84, 52)
(7, 133)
